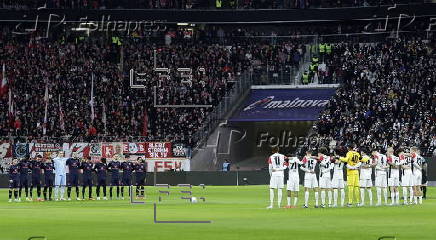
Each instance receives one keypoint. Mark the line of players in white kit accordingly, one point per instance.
(388, 169)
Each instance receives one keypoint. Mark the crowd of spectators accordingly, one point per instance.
(66, 68)
(387, 96)
(199, 4)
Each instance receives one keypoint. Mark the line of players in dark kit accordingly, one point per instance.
(42, 177)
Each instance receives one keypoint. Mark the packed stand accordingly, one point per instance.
(387, 96)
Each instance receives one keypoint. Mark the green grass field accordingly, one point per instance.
(236, 213)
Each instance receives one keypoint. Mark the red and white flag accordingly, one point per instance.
(4, 82)
(11, 112)
(145, 123)
(91, 102)
(44, 126)
(103, 117)
(61, 115)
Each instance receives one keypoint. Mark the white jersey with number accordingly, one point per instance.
(325, 167)
(277, 164)
(366, 170)
(293, 165)
(394, 171)
(418, 162)
(338, 170)
(381, 164)
(310, 180)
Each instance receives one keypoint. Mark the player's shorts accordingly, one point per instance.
(36, 180)
(325, 182)
(381, 180)
(407, 179)
(87, 181)
(73, 180)
(338, 182)
(353, 180)
(24, 180)
(417, 179)
(293, 184)
(276, 181)
(310, 180)
(115, 181)
(140, 180)
(365, 183)
(61, 180)
(48, 180)
(127, 181)
(393, 182)
(101, 182)
(14, 183)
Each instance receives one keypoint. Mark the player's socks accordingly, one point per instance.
(110, 191)
(335, 197)
(77, 192)
(50, 191)
(379, 196)
(329, 194)
(271, 196)
(90, 191)
(20, 191)
(370, 196)
(26, 190)
(356, 194)
(420, 199)
(104, 191)
(118, 191)
(56, 192)
(62, 192)
(424, 192)
(393, 196)
(10, 194)
(122, 192)
(289, 201)
(31, 192)
(405, 195)
(385, 193)
(415, 200)
(322, 197)
(279, 197)
(350, 194)
(316, 199)
(83, 192)
(397, 197)
(362, 196)
(306, 198)
(38, 191)
(69, 192)
(295, 201)
(411, 192)
(44, 192)
(15, 193)
(98, 191)
(342, 197)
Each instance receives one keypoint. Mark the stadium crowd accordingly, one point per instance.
(388, 95)
(66, 70)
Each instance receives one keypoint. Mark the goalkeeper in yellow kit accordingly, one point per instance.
(352, 159)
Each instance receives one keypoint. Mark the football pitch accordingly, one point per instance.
(235, 212)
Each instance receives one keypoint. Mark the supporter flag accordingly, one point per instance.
(91, 101)
(145, 123)
(61, 114)
(44, 126)
(4, 82)
(11, 112)
(103, 117)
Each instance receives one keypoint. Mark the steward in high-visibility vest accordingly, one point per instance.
(218, 3)
(305, 77)
(328, 48)
(315, 60)
(322, 48)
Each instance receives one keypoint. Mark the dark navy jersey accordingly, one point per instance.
(36, 167)
(73, 165)
(101, 169)
(13, 171)
(127, 168)
(24, 167)
(87, 169)
(48, 168)
(114, 168)
(140, 169)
